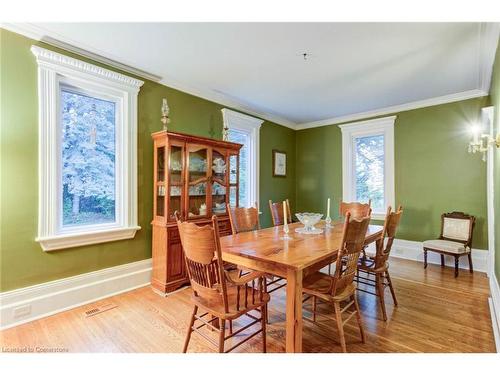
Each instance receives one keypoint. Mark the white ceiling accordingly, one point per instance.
(353, 67)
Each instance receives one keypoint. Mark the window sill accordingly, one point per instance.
(67, 241)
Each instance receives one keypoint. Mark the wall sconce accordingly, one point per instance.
(481, 141)
(165, 110)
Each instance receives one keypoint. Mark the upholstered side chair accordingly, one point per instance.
(455, 238)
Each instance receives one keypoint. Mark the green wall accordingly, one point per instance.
(433, 171)
(22, 261)
(495, 101)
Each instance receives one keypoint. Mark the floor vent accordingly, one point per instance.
(99, 309)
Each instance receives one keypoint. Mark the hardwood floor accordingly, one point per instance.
(436, 313)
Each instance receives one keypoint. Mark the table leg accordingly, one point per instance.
(294, 311)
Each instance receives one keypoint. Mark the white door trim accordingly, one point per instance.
(487, 118)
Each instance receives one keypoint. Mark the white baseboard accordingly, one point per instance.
(34, 302)
(495, 309)
(413, 250)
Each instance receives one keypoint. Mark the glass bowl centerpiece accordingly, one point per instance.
(309, 220)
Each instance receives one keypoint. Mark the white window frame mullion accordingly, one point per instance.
(54, 70)
(251, 126)
(352, 131)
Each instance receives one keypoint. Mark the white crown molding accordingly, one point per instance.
(50, 59)
(464, 95)
(226, 100)
(489, 33)
(24, 305)
(488, 36)
(37, 33)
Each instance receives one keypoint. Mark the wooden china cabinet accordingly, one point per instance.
(195, 176)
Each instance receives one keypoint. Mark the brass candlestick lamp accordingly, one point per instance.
(165, 110)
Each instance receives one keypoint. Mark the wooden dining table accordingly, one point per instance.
(293, 258)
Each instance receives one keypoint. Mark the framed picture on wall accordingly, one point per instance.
(279, 163)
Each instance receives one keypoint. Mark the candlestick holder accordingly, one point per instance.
(328, 222)
(286, 230)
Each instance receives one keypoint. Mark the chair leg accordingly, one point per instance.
(358, 317)
(340, 326)
(391, 288)
(314, 308)
(230, 327)
(222, 335)
(190, 329)
(380, 291)
(425, 258)
(442, 260)
(470, 263)
(330, 269)
(456, 265)
(263, 320)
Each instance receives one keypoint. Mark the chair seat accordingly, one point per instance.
(318, 284)
(446, 246)
(216, 308)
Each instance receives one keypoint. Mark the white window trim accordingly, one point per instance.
(54, 69)
(366, 128)
(251, 126)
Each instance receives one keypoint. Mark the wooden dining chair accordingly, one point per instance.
(455, 239)
(357, 209)
(245, 220)
(377, 264)
(277, 212)
(221, 296)
(340, 288)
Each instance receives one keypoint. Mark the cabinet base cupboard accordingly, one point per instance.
(196, 177)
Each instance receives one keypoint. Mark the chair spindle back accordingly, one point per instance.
(384, 244)
(353, 240)
(203, 258)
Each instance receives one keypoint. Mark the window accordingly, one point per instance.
(244, 129)
(87, 152)
(243, 138)
(368, 163)
(88, 159)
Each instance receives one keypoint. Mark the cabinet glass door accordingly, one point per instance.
(219, 181)
(233, 180)
(160, 181)
(175, 174)
(197, 182)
